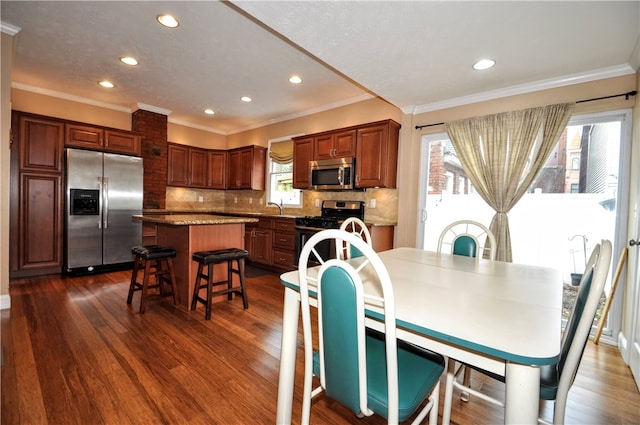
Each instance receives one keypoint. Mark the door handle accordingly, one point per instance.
(100, 201)
(105, 194)
(634, 242)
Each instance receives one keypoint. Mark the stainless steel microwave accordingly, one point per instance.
(332, 174)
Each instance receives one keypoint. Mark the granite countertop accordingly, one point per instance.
(192, 219)
(232, 214)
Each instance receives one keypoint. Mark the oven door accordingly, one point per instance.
(326, 249)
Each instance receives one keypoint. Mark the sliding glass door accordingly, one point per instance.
(579, 198)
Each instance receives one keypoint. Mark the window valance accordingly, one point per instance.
(281, 152)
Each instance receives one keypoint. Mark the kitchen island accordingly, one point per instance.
(189, 233)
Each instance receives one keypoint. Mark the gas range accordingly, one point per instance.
(333, 214)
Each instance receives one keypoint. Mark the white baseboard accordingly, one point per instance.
(5, 302)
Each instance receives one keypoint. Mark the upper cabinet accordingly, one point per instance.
(377, 155)
(374, 147)
(122, 142)
(241, 168)
(97, 138)
(338, 144)
(186, 166)
(302, 154)
(217, 169)
(41, 143)
(246, 168)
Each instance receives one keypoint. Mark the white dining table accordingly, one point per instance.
(501, 317)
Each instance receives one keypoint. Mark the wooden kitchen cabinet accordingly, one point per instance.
(302, 154)
(83, 136)
(217, 169)
(374, 147)
(246, 168)
(381, 237)
(338, 144)
(284, 243)
(186, 166)
(40, 142)
(259, 241)
(377, 155)
(122, 142)
(102, 139)
(41, 213)
(36, 196)
(271, 243)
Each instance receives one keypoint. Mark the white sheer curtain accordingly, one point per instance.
(502, 154)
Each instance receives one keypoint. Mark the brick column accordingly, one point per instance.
(152, 127)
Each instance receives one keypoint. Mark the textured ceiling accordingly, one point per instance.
(412, 54)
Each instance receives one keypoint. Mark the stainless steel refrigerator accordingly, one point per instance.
(103, 191)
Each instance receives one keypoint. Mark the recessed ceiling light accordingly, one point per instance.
(106, 84)
(209, 111)
(245, 99)
(295, 79)
(168, 21)
(483, 64)
(129, 60)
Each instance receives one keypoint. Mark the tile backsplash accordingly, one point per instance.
(186, 199)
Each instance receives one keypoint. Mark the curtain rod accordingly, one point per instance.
(626, 97)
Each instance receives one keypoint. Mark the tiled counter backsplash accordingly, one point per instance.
(178, 198)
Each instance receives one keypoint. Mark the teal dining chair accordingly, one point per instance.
(356, 226)
(469, 238)
(369, 371)
(556, 379)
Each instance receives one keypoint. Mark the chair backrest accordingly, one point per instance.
(468, 238)
(576, 334)
(354, 225)
(341, 295)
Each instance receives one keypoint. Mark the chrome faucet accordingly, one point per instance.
(277, 205)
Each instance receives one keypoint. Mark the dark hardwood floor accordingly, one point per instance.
(75, 353)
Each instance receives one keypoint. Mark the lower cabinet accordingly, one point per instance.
(381, 237)
(39, 250)
(270, 243)
(258, 240)
(284, 243)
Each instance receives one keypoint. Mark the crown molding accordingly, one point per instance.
(197, 126)
(155, 109)
(8, 28)
(71, 97)
(567, 80)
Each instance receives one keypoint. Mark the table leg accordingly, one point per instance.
(522, 394)
(448, 391)
(287, 356)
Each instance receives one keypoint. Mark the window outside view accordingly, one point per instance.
(281, 185)
(569, 208)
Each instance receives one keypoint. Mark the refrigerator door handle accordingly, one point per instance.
(100, 191)
(105, 197)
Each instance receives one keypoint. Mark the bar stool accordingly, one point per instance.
(160, 259)
(210, 258)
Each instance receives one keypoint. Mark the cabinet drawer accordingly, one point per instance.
(284, 240)
(265, 223)
(283, 259)
(286, 225)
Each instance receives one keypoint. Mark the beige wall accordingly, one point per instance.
(409, 155)
(177, 133)
(42, 104)
(356, 113)
(5, 120)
